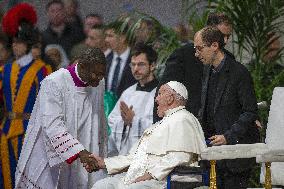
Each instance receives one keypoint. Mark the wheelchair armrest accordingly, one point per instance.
(271, 155)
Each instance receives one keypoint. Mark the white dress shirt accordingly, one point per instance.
(124, 56)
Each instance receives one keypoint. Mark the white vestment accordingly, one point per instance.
(176, 140)
(65, 120)
(143, 103)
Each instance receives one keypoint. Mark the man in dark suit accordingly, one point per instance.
(118, 72)
(58, 30)
(184, 67)
(228, 105)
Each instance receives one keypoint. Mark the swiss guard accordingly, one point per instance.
(19, 84)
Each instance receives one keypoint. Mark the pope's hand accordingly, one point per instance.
(144, 177)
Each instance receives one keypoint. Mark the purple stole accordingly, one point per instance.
(76, 79)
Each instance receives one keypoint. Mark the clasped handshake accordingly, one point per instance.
(91, 162)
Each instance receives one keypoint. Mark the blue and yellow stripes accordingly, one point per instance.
(7, 93)
(1, 82)
(20, 87)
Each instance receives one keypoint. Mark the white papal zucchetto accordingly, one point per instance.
(178, 88)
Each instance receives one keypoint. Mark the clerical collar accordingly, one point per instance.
(73, 70)
(174, 110)
(148, 87)
(220, 66)
(25, 60)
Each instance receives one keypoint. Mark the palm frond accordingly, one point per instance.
(162, 38)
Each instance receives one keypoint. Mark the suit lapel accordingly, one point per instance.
(126, 69)
(109, 58)
(206, 72)
(222, 81)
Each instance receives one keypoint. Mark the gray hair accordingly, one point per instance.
(64, 59)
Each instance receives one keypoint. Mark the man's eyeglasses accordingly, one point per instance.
(199, 48)
(227, 36)
(139, 65)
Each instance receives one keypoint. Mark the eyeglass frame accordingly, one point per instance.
(139, 65)
(199, 48)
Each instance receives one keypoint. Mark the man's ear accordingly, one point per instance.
(170, 99)
(215, 45)
(80, 67)
(84, 67)
(153, 66)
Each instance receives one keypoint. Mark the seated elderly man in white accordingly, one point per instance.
(176, 140)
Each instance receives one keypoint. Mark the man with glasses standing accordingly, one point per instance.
(184, 67)
(133, 112)
(228, 105)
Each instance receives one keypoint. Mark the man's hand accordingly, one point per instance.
(127, 113)
(144, 177)
(86, 160)
(100, 164)
(217, 140)
(258, 124)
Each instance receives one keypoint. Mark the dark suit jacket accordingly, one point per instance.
(127, 78)
(184, 67)
(235, 108)
(71, 36)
